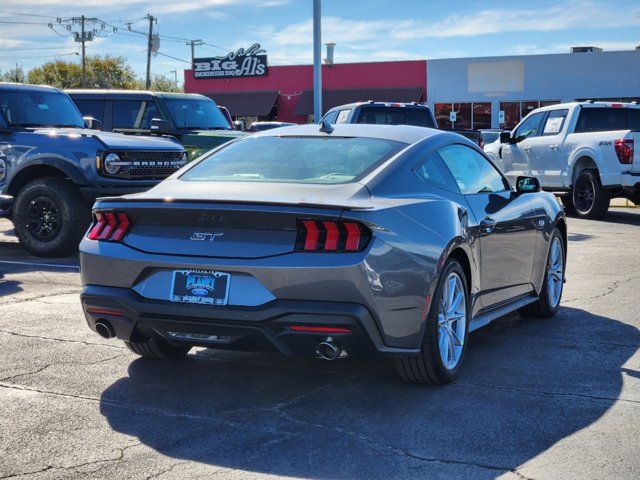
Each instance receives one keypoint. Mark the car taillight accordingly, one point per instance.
(109, 226)
(624, 150)
(331, 236)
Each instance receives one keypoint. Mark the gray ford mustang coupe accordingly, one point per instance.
(326, 241)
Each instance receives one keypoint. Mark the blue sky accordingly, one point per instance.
(363, 30)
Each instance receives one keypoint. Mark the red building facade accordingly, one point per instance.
(286, 92)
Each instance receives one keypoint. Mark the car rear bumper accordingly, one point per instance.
(631, 182)
(266, 327)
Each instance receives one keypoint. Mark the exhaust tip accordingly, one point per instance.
(329, 350)
(104, 329)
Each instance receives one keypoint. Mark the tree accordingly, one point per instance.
(160, 83)
(14, 75)
(101, 71)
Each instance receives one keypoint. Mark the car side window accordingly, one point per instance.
(472, 171)
(91, 108)
(343, 116)
(434, 171)
(331, 116)
(134, 114)
(529, 127)
(554, 123)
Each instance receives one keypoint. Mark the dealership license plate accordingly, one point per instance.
(200, 286)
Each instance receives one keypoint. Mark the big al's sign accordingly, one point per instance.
(251, 62)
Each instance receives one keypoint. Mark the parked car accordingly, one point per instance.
(227, 115)
(489, 136)
(261, 126)
(55, 167)
(391, 113)
(582, 151)
(337, 241)
(194, 120)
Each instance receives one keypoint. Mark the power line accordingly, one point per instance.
(173, 58)
(27, 14)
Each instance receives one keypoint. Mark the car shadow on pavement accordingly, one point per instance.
(526, 384)
(628, 217)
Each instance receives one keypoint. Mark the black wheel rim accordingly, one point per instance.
(44, 219)
(585, 196)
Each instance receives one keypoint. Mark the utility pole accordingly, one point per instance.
(84, 63)
(317, 62)
(193, 43)
(96, 28)
(175, 74)
(151, 19)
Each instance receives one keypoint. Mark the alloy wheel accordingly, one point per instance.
(555, 272)
(585, 196)
(44, 219)
(452, 321)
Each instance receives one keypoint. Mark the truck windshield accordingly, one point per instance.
(39, 109)
(195, 114)
(419, 117)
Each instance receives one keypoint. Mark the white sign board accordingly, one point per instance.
(452, 117)
(501, 117)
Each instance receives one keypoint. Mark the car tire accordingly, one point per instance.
(158, 348)
(428, 367)
(50, 217)
(589, 198)
(546, 306)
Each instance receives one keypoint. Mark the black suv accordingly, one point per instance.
(55, 167)
(194, 120)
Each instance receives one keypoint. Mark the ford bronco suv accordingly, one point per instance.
(54, 167)
(194, 120)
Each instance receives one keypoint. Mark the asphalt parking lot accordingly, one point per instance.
(556, 398)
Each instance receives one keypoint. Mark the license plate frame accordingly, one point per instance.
(200, 287)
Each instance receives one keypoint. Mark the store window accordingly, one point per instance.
(481, 116)
(511, 114)
(442, 113)
(463, 116)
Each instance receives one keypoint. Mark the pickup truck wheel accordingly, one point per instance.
(50, 217)
(590, 200)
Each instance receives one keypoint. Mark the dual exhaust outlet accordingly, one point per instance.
(329, 349)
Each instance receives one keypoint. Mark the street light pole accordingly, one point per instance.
(317, 62)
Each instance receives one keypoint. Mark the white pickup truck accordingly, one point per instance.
(583, 151)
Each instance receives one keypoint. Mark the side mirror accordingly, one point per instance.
(92, 123)
(238, 125)
(505, 137)
(527, 185)
(160, 126)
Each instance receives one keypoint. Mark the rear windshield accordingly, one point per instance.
(418, 117)
(294, 160)
(608, 119)
(196, 114)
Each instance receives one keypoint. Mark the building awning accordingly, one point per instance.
(246, 104)
(333, 98)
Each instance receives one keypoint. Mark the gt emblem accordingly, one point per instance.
(204, 236)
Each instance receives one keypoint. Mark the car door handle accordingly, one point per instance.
(526, 149)
(487, 224)
(553, 147)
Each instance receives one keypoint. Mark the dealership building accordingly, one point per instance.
(484, 92)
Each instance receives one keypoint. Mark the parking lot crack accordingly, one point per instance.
(376, 444)
(14, 301)
(55, 339)
(600, 398)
